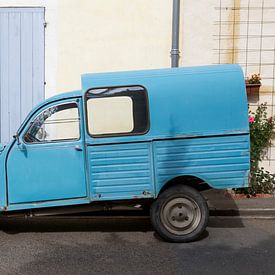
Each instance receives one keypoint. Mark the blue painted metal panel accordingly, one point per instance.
(222, 162)
(44, 204)
(185, 102)
(45, 172)
(21, 66)
(121, 171)
(38, 172)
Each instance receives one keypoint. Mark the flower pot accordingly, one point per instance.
(253, 89)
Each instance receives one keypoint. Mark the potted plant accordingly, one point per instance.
(253, 84)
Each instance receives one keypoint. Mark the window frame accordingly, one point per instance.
(53, 141)
(147, 109)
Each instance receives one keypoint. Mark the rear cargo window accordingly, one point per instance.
(115, 111)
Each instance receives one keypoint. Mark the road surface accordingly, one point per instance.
(80, 245)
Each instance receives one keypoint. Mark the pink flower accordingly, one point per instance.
(251, 119)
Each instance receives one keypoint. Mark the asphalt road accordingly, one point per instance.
(129, 246)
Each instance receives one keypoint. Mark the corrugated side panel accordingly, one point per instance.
(120, 171)
(222, 162)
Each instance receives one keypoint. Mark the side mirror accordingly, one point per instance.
(16, 136)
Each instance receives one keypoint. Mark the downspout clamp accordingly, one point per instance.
(175, 53)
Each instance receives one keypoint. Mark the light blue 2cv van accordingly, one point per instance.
(154, 138)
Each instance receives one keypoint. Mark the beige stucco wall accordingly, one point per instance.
(126, 35)
(96, 36)
(197, 29)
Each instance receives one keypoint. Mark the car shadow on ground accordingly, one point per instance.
(95, 224)
(106, 224)
(224, 211)
(114, 221)
(75, 224)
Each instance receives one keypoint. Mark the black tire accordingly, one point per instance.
(180, 214)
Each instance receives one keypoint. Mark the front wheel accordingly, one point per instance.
(180, 214)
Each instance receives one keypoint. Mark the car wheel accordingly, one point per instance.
(180, 214)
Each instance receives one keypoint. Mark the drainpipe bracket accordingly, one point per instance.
(174, 52)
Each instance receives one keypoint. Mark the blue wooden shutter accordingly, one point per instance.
(21, 66)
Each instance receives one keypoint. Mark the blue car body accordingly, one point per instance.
(197, 127)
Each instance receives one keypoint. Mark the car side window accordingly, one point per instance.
(116, 111)
(57, 123)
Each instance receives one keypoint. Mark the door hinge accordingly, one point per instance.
(45, 24)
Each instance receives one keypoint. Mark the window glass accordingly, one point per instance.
(117, 111)
(110, 115)
(60, 122)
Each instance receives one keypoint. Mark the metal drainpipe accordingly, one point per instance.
(175, 53)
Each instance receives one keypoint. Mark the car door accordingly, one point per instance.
(48, 162)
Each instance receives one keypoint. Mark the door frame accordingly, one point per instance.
(23, 129)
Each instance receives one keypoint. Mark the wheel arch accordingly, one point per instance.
(193, 181)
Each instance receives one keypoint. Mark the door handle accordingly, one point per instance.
(78, 148)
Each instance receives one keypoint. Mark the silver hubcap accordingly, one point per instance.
(180, 216)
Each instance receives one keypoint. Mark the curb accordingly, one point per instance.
(255, 213)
